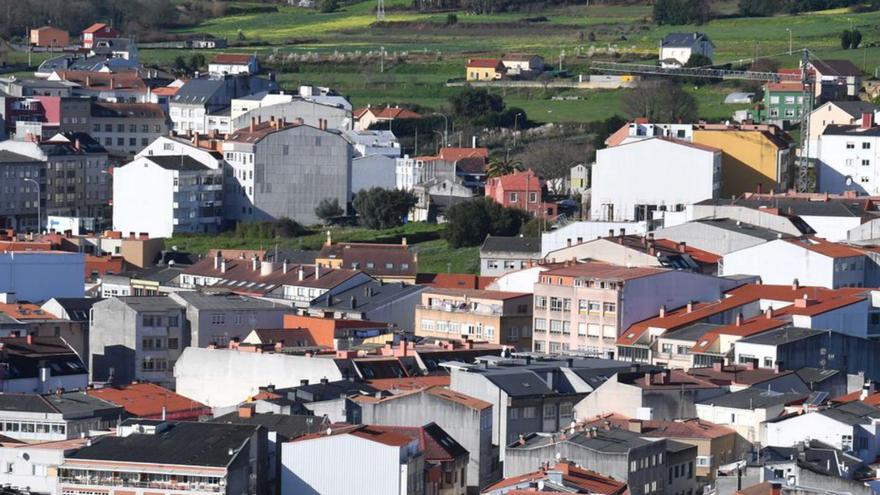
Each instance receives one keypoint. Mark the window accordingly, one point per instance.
(513, 197)
(846, 442)
(173, 343)
(533, 197)
(667, 348)
(850, 146)
(594, 306)
(683, 350)
(866, 162)
(866, 146)
(768, 362)
(549, 411)
(609, 307)
(582, 329)
(556, 304)
(529, 412)
(555, 326)
(173, 321)
(218, 319)
(540, 324)
(540, 302)
(513, 413)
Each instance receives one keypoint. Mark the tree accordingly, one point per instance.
(534, 227)
(855, 39)
(327, 209)
(552, 158)
(468, 223)
(660, 100)
(698, 60)
(451, 19)
(328, 6)
(197, 61)
(383, 208)
(503, 166)
(473, 103)
(180, 65)
(845, 39)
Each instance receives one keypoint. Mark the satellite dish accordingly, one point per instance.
(848, 180)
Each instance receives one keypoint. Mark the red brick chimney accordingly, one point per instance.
(246, 411)
(867, 120)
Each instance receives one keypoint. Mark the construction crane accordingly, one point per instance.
(802, 182)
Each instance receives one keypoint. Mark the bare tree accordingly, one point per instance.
(660, 100)
(553, 159)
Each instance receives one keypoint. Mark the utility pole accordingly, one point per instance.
(803, 167)
(381, 59)
(789, 41)
(515, 120)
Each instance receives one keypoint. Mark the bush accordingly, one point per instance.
(469, 222)
(283, 227)
(383, 208)
(327, 209)
(328, 6)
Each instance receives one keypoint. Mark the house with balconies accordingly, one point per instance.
(494, 316)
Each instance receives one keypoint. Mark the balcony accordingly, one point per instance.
(96, 481)
(464, 308)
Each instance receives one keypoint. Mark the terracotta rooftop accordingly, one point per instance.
(367, 432)
(25, 311)
(454, 154)
(454, 280)
(483, 63)
(573, 477)
(739, 374)
(825, 248)
(241, 278)
(387, 113)
(436, 444)
(871, 399)
(459, 398)
(261, 130)
(676, 379)
(410, 383)
(360, 256)
(146, 400)
(129, 80)
(519, 181)
(94, 28)
(232, 58)
(687, 428)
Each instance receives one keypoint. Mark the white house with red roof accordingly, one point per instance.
(96, 31)
(636, 181)
(809, 260)
(368, 116)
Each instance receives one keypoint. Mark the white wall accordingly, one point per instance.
(143, 198)
(219, 377)
(340, 464)
(832, 228)
(40, 276)
(806, 426)
(29, 466)
(837, 162)
(586, 231)
(780, 262)
(651, 172)
(165, 146)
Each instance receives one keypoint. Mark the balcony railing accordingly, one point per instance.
(464, 308)
(119, 482)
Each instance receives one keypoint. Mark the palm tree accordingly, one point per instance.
(504, 166)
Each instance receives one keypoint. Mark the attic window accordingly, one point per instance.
(630, 335)
(704, 343)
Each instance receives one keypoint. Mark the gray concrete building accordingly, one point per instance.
(393, 303)
(201, 97)
(624, 455)
(136, 338)
(284, 170)
(220, 318)
(467, 419)
(18, 206)
(127, 128)
(499, 255)
(57, 416)
(264, 108)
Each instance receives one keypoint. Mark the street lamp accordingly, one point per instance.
(789, 41)
(515, 120)
(440, 134)
(39, 201)
(445, 128)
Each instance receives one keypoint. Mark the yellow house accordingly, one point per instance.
(755, 158)
(484, 69)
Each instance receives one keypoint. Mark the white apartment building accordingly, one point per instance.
(632, 181)
(848, 158)
(164, 195)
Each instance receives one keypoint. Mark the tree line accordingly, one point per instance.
(490, 6)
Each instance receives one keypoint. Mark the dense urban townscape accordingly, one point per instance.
(439, 247)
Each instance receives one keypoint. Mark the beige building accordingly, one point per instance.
(496, 317)
(836, 113)
(585, 306)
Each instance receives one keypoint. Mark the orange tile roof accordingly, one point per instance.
(454, 280)
(25, 311)
(410, 382)
(871, 399)
(454, 154)
(687, 428)
(794, 87)
(146, 400)
(825, 248)
(233, 58)
(367, 432)
(388, 113)
(697, 254)
(477, 293)
(586, 480)
(166, 91)
(128, 80)
(459, 398)
(94, 28)
(484, 63)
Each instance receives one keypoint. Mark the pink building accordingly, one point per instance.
(523, 190)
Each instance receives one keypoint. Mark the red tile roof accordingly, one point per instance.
(357, 254)
(410, 382)
(387, 113)
(240, 270)
(433, 449)
(687, 428)
(793, 87)
(454, 280)
(697, 254)
(146, 400)
(129, 80)
(519, 181)
(459, 398)
(483, 63)
(825, 248)
(454, 154)
(233, 58)
(25, 311)
(871, 399)
(94, 28)
(583, 480)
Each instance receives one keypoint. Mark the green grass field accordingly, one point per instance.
(444, 49)
(433, 251)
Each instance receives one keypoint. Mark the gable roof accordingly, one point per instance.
(836, 67)
(854, 108)
(433, 440)
(530, 246)
(754, 398)
(147, 400)
(483, 63)
(180, 163)
(355, 255)
(683, 40)
(233, 58)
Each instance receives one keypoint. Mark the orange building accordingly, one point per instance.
(300, 331)
(50, 37)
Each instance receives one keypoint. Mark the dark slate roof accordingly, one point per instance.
(682, 39)
(690, 332)
(24, 360)
(615, 440)
(185, 444)
(851, 130)
(525, 245)
(834, 207)
(197, 91)
(816, 375)
(852, 413)
(178, 162)
(754, 398)
(836, 67)
(296, 256)
(87, 145)
(675, 446)
(204, 301)
(10, 157)
(288, 426)
(782, 336)
(520, 383)
(855, 108)
(77, 308)
(444, 440)
(381, 293)
(68, 404)
(317, 392)
(741, 228)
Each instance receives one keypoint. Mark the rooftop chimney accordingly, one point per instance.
(634, 425)
(867, 120)
(255, 263)
(739, 319)
(317, 271)
(217, 257)
(662, 311)
(795, 284)
(301, 274)
(682, 247)
(285, 266)
(690, 306)
(223, 266)
(246, 411)
(253, 123)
